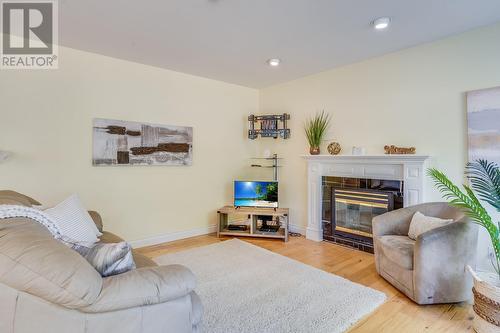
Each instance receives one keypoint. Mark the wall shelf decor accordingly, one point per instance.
(268, 126)
(274, 164)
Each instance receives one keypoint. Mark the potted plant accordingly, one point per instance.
(315, 129)
(484, 178)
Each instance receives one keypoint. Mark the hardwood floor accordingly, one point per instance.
(398, 314)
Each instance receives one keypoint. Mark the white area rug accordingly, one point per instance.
(245, 288)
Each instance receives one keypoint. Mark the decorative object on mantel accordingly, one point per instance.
(119, 142)
(315, 129)
(484, 178)
(269, 126)
(358, 151)
(4, 155)
(392, 149)
(334, 148)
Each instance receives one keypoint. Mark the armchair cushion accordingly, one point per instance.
(398, 249)
(421, 223)
(143, 286)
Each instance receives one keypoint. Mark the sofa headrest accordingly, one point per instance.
(8, 197)
(32, 261)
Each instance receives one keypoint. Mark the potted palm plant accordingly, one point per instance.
(315, 129)
(484, 178)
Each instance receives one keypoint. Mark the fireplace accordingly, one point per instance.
(409, 170)
(349, 205)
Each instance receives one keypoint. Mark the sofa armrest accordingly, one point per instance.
(97, 219)
(143, 286)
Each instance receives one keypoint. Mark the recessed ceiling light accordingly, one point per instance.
(275, 62)
(381, 23)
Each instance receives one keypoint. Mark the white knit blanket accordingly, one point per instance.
(37, 215)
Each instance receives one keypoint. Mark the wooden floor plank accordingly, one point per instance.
(398, 314)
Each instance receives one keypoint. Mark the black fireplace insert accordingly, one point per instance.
(350, 204)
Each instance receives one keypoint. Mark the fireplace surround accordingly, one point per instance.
(407, 169)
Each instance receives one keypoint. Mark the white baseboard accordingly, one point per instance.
(297, 228)
(192, 233)
(173, 236)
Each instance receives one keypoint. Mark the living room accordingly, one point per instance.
(224, 149)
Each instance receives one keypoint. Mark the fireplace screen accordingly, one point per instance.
(350, 204)
(354, 209)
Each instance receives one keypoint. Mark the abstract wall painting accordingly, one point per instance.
(119, 142)
(483, 117)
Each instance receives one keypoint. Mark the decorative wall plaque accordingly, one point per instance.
(392, 149)
(119, 142)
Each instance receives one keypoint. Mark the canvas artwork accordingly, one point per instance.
(483, 115)
(119, 142)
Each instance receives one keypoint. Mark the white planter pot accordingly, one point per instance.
(486, 302)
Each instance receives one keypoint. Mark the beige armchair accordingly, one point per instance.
(46, 287)
(431, 269)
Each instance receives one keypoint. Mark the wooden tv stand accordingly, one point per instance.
(249, 216)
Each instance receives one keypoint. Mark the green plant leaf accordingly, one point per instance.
(471, 206)
(485, 180)
(316, 127)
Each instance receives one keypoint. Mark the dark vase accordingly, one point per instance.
(314, 150)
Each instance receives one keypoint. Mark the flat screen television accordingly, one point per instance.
(255, 194)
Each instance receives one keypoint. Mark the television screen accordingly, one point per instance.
(255, 194)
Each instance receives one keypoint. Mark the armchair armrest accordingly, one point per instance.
(454, 240)
(454, 230)
(440, 259)
(143, 286)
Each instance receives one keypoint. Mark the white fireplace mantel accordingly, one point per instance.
(408, 168)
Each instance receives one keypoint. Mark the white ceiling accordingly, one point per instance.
(230, 40)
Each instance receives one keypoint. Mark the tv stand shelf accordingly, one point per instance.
(254, 219)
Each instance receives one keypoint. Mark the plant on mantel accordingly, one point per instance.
(484, 178)
(315, 129)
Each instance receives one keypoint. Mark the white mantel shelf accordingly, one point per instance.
(383, 158)
(407, 168)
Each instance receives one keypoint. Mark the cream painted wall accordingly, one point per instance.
(46, 122)
(415, 97)
(412, 97)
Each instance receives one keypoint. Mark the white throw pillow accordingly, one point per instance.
(421, 223)
(74, 221)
